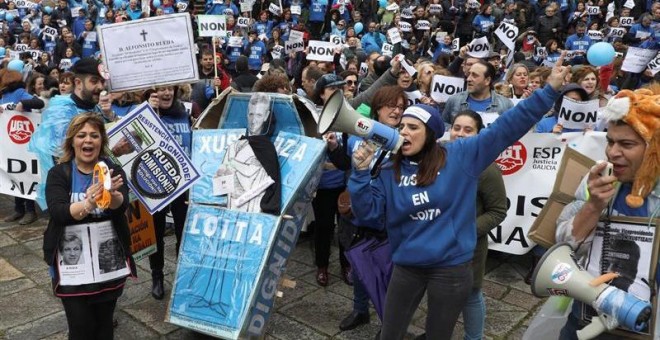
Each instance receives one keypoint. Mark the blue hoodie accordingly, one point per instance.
(435, 226)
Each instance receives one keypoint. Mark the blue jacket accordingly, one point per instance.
(483, 24)
(177, 121)
(220, 9)
(255, 51)
(15, 96)
(373, 42)
(435, 226)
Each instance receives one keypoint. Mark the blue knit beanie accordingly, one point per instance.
(429, 116)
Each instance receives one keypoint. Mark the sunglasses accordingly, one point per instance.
(351, 82)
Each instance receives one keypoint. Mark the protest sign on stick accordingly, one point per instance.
(211, 25)
(579, 115)
(321, 50)
(149, 52)
(637, 59)
(443, 87)
(479, 48)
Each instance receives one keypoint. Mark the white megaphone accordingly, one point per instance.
(337, 115)
(558, 274)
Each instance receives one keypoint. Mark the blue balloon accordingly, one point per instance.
(156, 3)
(48, 9)
(358, 27)
(382, 3)
(3, 51)
(9, 17)
(600, 54)
(15, 65)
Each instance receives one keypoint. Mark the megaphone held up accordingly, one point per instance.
(337, 115)
(558, 274)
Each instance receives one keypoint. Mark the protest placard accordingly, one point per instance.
(595, 35)
(616, 32)
(455, 45)
(157, 168)
(336, 40)
(579, 115)
(637, 59)
(143, 233)
(19, 170)
(423, 25)
(443, 87)
(407, 13)
(235, 42)
(654, 65)
(405, 26)
(296, 35)
(296, 10)
(320, 50)
(35, 54)
(277, 52)
(507, 33)
(540, 52)
(246, 5)
(149, 52)
(479, 48)
(211, 25)
(364, 68)
(387, 49)
(626, 21)
(75, 12)
(393, 34)
(414, 97)
(90, 253)
(435, 8)
(593, 10)
(20, 47)
(275, 9)
(243, 22)
(291, 46)
(393, 7)
(50, 31)
(529, 168)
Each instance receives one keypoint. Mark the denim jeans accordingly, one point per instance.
(360, 296)
(474, 315)
(447, 288)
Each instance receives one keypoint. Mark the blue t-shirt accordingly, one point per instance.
(79, 184)
(479, 105)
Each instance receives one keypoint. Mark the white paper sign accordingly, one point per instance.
(642, 34)
(637, 59)
(407, 13)
(50, 31)
(540, 52)
(277, 52)
(455, 45)
(479, 48)
(19, 170)
(75, 12)
(392, 7)
(435, 8)
(336, 40)
(507, 33)
(212, 25)
(423, 25)
(243, 22)
(275, 9)
(235, 42)
(149, 52)
(443, 87)
(629, 4)
(654, 65)
(321, 50)
(21, 47)
(405, 26)
(474, 4)
(393, 34)
(296, 10)
(595, 35)
(364, 68)
(414, 97)
(295, 35)
(90, 36)
(387, 49)
(246, 6)
(593, 10)
(293, 46)
(626, 21)
(617, 32)
(578, 115)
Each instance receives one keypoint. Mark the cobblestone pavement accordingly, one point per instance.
(308, 311)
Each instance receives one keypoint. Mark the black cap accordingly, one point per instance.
(88, 66)
(328, 80)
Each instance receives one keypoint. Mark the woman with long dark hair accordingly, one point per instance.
(426, 198)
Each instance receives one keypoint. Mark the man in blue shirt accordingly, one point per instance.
(255, 50)
(373, 40)
(579, 42)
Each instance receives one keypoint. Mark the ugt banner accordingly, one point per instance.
(19, 170)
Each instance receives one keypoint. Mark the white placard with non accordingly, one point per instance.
(212, 25)
(423, 25)
(479, 48)
(321, 50)
(595, 35)
(149, 52)
(507, 33)
(405, 26)
(654, 65)
(293, 46)
(444, 87)
(578, 115)
(435, 8)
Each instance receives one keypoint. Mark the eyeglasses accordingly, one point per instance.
(340, 25)
(351, 82)
(394, 107)
(372, 27)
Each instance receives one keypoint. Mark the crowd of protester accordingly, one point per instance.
(56, 42)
